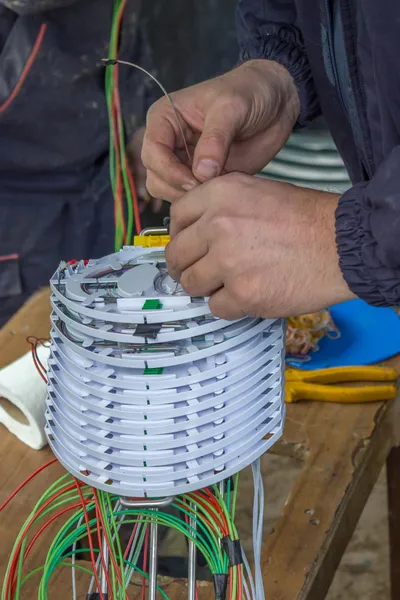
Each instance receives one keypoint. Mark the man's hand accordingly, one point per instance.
(257, 247)
(236, 122)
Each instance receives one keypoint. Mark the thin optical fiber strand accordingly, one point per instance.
(107, 62)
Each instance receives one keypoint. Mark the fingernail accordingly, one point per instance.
(207, 168)
(189, 186)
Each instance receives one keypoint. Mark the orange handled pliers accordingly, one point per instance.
(315, 385)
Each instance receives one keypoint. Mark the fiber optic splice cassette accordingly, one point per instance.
(149, 394)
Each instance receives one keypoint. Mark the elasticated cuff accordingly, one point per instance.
(281, 44)
(360, 258)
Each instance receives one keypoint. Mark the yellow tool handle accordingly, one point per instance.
(341, 394)
(343, 374)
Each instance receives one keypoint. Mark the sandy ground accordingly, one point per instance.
(364, 571)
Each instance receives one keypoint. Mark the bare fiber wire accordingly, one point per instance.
(107, 62)
(258, 514)
(249, 577)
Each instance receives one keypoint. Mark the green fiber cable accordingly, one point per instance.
(65, 527)
(125, 178)
(84, 550)
(234, 583)
(117, 538)
(109, 87)
(82, 531)
(140, 542)
(128, 194)
(226, 512)
(170, 520)
(54, 488)
(202, 510)
(105, 518)
(206, 536)
(60, 555)
(64, 564)
(235, 491)
(107, 532)
(196, 516)
(19, 569)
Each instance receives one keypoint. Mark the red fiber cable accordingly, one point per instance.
(240, 584)
(44, 527)
(34, 342)
(118, 208)
(116, 112)
(26, 69)
(230, 592)
(119, 125)
(132, 536)
(132, 186)
(223, 525)
(14, 561)
(117, 138)
(27, 480)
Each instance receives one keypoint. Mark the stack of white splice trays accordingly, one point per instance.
(149, 395)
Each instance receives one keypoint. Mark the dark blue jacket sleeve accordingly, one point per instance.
(267, 29)
(368, 234)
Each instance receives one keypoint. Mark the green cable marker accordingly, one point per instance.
(152, 304)
(155, 371)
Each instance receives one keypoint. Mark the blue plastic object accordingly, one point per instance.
(368, 335)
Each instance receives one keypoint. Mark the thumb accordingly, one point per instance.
(212, 149)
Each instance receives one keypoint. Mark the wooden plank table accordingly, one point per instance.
(342, 449)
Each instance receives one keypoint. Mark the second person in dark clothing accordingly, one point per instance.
(56, 200)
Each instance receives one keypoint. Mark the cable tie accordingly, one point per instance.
(220, 581)
(233, 548)
(107, 62)
(96, 596)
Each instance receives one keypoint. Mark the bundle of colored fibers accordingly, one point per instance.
(91, 517)
(122, 183)
(305, 332)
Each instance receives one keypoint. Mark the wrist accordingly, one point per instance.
(278, 77)
(326, 217)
